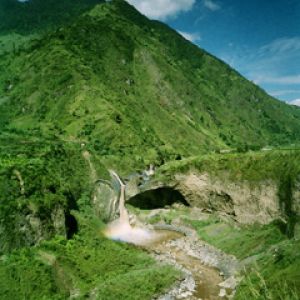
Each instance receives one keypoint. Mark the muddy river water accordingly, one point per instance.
(206, 279)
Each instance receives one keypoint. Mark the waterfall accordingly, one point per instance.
(121, 229)
(124, 217)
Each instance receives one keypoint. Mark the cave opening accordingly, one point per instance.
(157, 198)
(71, 225)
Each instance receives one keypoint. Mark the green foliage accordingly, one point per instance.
(36, 177)
(37, 15)
(275, 275)
(276, 165)
(274, 270)
(88, 264)
(241, 242)
(134, 92)
(94, 82)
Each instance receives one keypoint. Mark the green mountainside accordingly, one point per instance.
(134, 87)
(22, 22)
(88, 86)
(37, 15)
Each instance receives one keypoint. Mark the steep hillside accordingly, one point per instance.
(37, 15)
(87, 88)
(22, 22)
(136, 89)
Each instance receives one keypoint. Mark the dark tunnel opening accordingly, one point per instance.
(71, 225)
(157, 198)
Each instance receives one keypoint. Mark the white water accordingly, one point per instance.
(121, 230)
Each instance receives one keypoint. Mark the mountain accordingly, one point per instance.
(37, 15)
(137, 90)
(85, 88)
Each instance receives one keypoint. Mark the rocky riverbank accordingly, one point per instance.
(208, 273)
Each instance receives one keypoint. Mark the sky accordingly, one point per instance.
(258, 38)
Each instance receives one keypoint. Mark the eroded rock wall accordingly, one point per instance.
(105, 201)
(248, 202)
(30, 228)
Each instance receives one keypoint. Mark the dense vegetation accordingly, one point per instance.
(22, 22)
(46, 188)
(111, 79)
(38, 15)
(252, 166)
(131, 92)
(272, 261)
(86, 266)
(280, 166)
(269, 259)
(37, 178)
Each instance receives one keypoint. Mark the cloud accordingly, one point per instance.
(295, 102)
(286, 80)
(192, 37)
(213, 6)
(280, 46)
(274, 66)
(162, 9)
(284, 92)
(278, 54)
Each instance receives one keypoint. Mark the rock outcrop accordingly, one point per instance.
(30, 229)
(105, 201)
(248, 202)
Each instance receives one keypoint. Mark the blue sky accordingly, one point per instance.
(259, 38)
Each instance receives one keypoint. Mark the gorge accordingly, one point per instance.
(204, 199)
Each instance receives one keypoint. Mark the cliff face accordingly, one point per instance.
(28, 229)
(296, 196)
(41, 183)
(244, 192)
(246, 202)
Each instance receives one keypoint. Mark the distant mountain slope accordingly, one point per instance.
(134, 88)
(36, 15)
(21, 22)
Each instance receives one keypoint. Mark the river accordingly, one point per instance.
(201, 280)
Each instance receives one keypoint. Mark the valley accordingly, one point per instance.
(135, 165)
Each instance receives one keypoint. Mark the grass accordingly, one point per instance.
(88, 264)
(273, 260)
(91, 81)
(58, 267)
(275, 275)
(109, 79)
(251, 166)
(239, 241)
(164, 217)
(281, 167)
